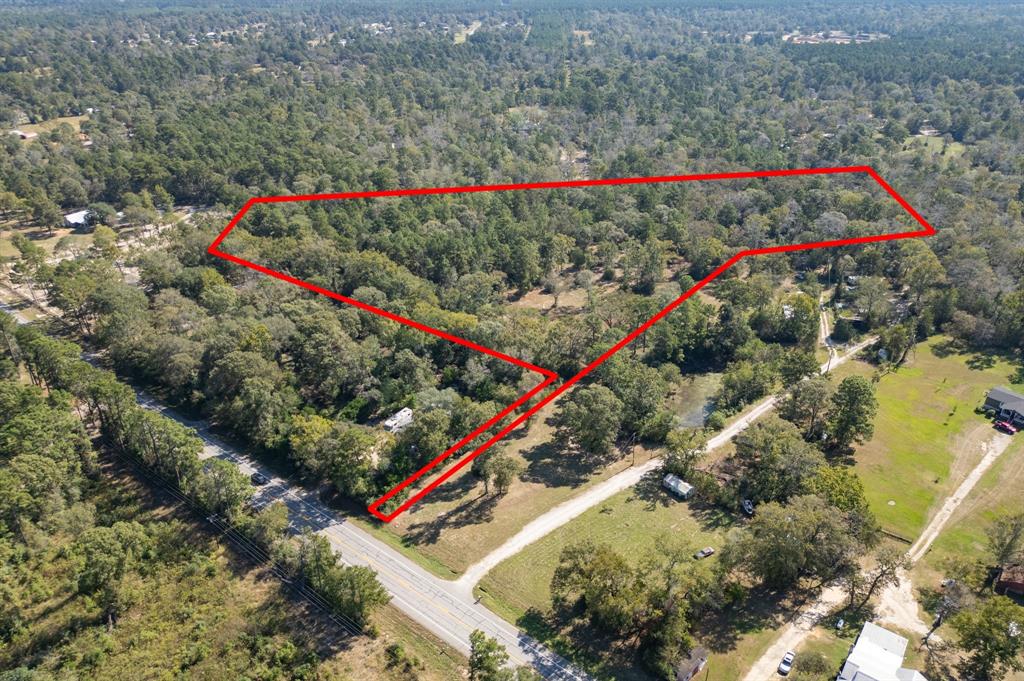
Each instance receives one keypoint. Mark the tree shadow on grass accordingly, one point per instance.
(574, 638)
(650, 491)
(946, 348)
(523, 429)
(762, 609)
(451, 490)
(710, 517)
(980, 361)
(941, 661)
(473, 511)
(554, 465)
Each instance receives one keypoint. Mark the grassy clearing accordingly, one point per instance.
(636, 522)
(997, 493)
(48, 240)
(437, 659)
(462, 34)
(46, 126)
(927, 436)
(583, 37)
(458, 524)
(935, 145)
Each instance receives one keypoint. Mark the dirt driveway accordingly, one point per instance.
(897, 605)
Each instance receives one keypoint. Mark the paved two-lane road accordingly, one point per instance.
(440, 606)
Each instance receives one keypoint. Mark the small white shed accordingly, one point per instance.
(677, 486)
(398, 421)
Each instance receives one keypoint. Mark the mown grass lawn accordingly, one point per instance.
(636, 522)
(457, 524)
(997, 493)
(927, 436)
(45, 239)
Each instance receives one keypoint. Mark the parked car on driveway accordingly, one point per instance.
(787, 663)
(748, 506)
(1006, 427)
(704, 553)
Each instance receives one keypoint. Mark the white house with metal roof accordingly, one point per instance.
(878, 656)
(80, 218)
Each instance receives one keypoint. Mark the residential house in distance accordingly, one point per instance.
(77, 220)
(398, 421)
(878, 656)
(1008, 405)
(832, 38)
(22, 134)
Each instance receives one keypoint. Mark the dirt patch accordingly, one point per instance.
(584, 37)
(968, 447)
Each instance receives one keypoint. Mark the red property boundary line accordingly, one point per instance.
(549, 376)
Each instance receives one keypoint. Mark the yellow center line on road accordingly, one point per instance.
(309, 513)
(394, 575)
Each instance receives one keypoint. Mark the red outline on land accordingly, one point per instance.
(549, 376)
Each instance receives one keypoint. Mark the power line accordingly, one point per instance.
(254, 551)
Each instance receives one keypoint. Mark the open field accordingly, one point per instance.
(583, 36)
(46, 126)
(935, 145)
(457, 524)
(48, 240)
(997, 493)
(927, 436)
(462, 34)
(635, 522)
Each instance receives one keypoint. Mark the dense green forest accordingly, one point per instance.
(175, 114)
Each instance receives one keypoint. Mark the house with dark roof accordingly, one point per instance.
(1008, 405)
